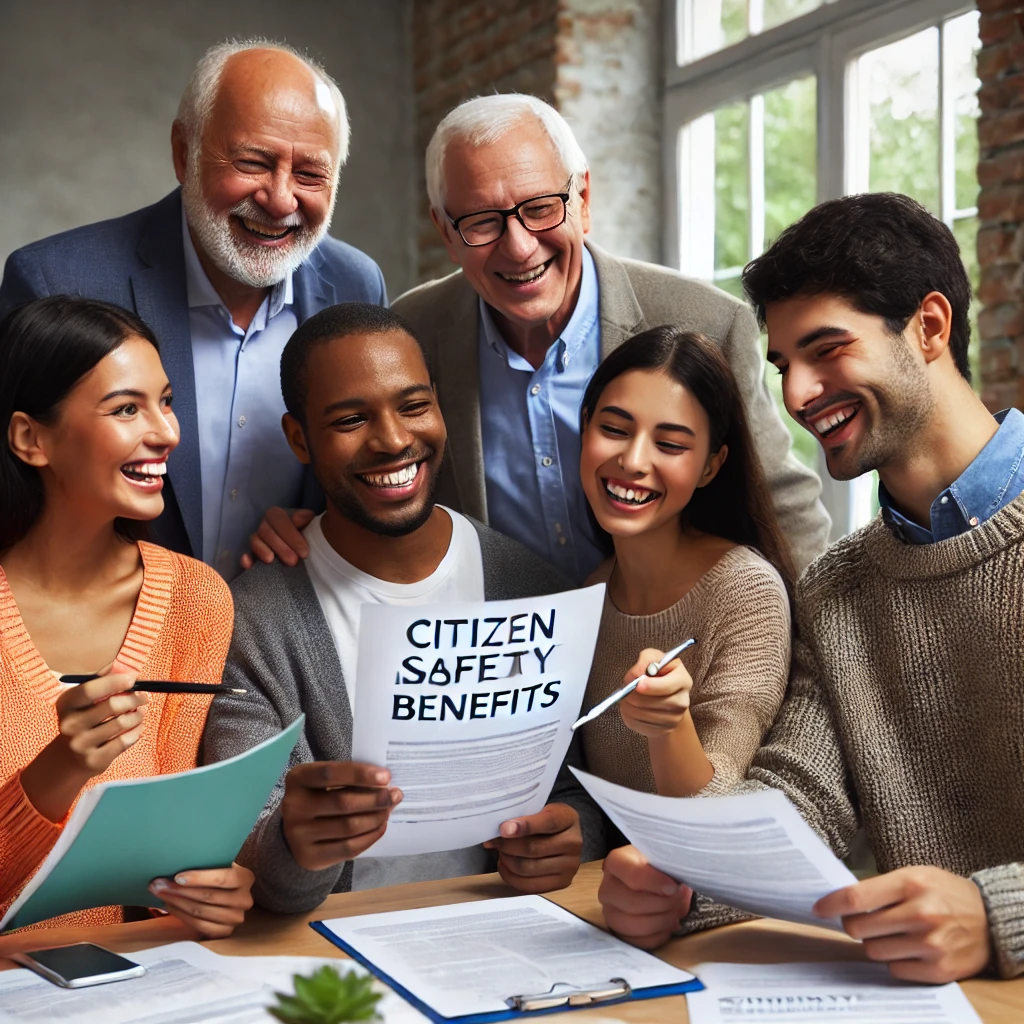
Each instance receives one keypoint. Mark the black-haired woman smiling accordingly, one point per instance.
(675, 485)
(85, 406)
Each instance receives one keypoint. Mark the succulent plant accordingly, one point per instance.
(327, 997)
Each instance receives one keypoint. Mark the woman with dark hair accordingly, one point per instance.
(85, 406)
(679, 496)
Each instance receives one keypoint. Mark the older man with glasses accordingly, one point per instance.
(516, 334)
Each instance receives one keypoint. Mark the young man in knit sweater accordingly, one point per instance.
(363, 412)
(904, 711)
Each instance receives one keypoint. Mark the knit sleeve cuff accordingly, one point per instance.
(26, 837)
(1002, 889)
(705, 913)
(282, 885)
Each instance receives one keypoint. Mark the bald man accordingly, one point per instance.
(224, 269)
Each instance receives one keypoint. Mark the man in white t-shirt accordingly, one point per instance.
(363, 413)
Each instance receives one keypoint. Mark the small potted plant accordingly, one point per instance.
(327, 997)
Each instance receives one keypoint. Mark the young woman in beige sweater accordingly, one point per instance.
(676, 489)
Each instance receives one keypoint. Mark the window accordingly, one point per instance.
(711, 25)
(779, 104)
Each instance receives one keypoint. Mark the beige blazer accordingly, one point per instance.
(632, 296)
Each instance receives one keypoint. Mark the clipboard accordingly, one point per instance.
(558, 999)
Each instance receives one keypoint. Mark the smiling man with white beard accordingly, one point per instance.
(224, 269)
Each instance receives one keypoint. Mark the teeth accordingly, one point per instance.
(830, 422)
(530, 275)
(396, 479)
(145, 469)
(264, 230)
(637, 495)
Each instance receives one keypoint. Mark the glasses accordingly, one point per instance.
(541, 213)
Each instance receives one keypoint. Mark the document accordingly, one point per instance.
(471, 707)
(123, 834)
(753, 851)
(798, 993)
(471, 958)
(185, 983)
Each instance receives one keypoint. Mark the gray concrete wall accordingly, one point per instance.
(88, 91)
(609, 88)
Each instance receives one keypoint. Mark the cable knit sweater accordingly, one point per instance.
(905, 712)
(180, 631)
(738, 611)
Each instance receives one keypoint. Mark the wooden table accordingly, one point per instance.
(997, 1002)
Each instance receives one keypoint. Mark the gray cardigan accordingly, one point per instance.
(283, 653)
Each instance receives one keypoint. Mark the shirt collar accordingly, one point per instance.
(575, 333)
(978, 493)
(202, 293)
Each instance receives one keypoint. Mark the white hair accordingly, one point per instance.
(484, 120)
(199, 96)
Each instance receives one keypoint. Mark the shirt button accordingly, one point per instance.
(945, 499)
(241, 421)
(561, 540)
(546, 461)
(535, 390)
(973, 520)
(234, 493)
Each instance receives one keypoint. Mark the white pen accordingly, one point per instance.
(652, 670)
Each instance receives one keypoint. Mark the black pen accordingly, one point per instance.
(161, 686)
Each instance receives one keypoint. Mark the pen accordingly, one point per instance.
(652, 670)
(160, 686)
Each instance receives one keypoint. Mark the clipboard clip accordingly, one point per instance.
(562, 994)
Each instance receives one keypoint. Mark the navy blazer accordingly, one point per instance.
(138, 262)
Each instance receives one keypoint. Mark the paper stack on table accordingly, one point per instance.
(849, 993)
(753, 852)
(469, 961)
(185, 983)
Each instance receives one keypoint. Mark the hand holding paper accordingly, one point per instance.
(213, 902)
(335, 810)
(470, 707)
(541, 852)
(928, 924)
(641, 904)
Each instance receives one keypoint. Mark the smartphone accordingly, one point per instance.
(79, 965)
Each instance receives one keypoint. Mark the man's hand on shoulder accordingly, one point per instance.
(927, 924)
(641, 904)
(280, 535)
(334, 810)
(541, 852)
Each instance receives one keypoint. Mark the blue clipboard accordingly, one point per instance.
(654, 992)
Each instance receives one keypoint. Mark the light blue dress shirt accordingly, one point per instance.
(531, 437)
(245, 462)
(991, 481)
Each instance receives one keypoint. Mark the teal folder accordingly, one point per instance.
(123, 834)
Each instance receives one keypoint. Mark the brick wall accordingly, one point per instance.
(597, 61)
(608, 87)
(1001, 202)
(464, 48)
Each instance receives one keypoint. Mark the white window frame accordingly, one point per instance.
(825, 43)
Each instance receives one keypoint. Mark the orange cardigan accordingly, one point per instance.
(180, 631)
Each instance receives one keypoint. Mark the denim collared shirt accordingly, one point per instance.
(245, 462)
(531, 438)
(992, 480)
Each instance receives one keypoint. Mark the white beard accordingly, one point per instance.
(252, 264)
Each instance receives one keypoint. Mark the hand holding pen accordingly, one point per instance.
(661, 699)
(658, 681)
(98, 721)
